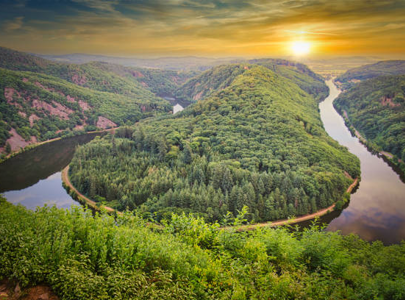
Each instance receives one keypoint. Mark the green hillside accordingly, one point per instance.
(376, 108)
(382, 68)
(259, 142)
(81, 256)
(94, 76)
(40, 107)
(219, 78)
(160, 82)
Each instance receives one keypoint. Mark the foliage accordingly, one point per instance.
(259, 142)
(219, 78)
(376, 108)
(28, 87)
(382, 68)
(86, 257)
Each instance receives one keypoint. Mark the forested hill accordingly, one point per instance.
(258, 142)
(40, 99)
(382, 68)
(376, 108)
(219, 78)
(98, 76)
(35, 107)
(160, 82)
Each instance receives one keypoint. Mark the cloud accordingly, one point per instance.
(209, 26)
(15, 24)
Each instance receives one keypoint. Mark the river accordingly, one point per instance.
(376, 210)
(33, 178)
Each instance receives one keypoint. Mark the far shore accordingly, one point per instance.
(34, 145)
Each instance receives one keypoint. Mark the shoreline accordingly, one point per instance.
(92, 204)
(292, 221)
(80, 197)
(34, 145)
(386, 156)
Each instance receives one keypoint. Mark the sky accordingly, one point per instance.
(203, 27)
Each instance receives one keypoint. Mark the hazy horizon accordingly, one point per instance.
(217, 28)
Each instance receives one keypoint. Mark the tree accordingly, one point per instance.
(8, 148)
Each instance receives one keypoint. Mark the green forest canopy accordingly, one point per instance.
(258, 142)
(81, 256)
(376, 108)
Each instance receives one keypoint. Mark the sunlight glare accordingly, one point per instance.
(300, 48)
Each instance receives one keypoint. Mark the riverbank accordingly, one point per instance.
(34, 145)
(396, 164)
(75, 194)
(293, 221)
(94, 205)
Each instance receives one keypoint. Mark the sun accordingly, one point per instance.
(300, 48)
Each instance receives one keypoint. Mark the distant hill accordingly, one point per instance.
(167, 63)
(220, 77)
(376, 108)
(257, 140)
(97, 76)
(41, 99)
(36, 107)
(159, 81)
(382, 68)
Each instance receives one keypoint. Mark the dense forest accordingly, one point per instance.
(41, 99)
(95, 75)
(382, 68)
(81, 256)
(41, 107)
(258, 142)
(221, 77)
(376, 108)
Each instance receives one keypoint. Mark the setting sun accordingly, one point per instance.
(300, 48)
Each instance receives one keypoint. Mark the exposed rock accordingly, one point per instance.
(9, 95)
(38, 84)
(84, 105)
(105, 123)
(80, 80)
(16, 141)
(32, 119)
(70, 99)
(388, 101)
(57, 110)
(137, 74)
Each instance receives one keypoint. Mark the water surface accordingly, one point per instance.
(377, 209)
(33, 178)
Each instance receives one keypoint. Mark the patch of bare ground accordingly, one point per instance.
(70, 99)
(10, 291)
(32, 119)
(55, 109)
(9, 95)
(16, 141)
(79, 80)
(105, 123)
(84, 105)
(387, 101)
(22, 114)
